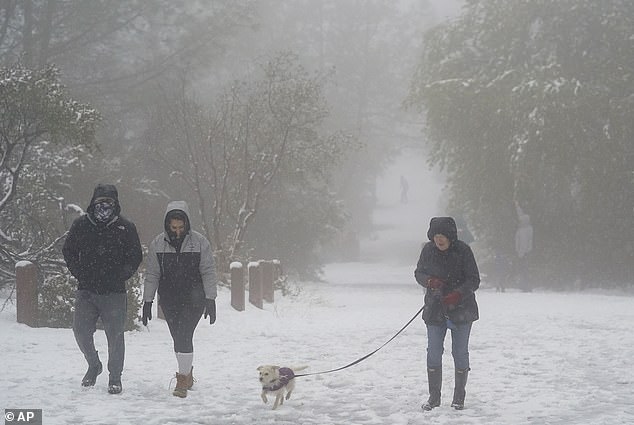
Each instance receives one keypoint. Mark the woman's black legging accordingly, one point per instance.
(182, 320)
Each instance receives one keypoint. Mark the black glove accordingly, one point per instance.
(210, 310)
(147, 312)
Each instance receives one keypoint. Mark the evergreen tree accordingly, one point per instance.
(42, 133)
(531, 101)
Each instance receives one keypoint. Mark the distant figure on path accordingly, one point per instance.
(404, 189)
(502, 270)
(102, 251)
(523, 246)
(448, 271)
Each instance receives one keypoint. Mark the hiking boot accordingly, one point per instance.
(114, 385)
(434, 378)
(90, 378)
(190, 379)
(182, 383)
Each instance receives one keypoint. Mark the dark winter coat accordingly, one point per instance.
(102, 256)
(457, 268)
(183, 273)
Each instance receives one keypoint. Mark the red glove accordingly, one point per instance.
(435, 283)
(452, 298)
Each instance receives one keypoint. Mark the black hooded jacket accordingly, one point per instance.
(102, 256)
(456, 267)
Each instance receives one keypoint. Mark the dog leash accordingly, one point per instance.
(367, 355)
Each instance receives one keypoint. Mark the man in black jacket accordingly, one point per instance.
(102, 251)
(448, 271)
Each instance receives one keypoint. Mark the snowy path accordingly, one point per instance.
(539, 358)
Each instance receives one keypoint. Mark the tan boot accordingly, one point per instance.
(181, 385)
(190, 379)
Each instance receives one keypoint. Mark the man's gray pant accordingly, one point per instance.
(112, 310)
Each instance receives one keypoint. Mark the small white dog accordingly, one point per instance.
(279, 381)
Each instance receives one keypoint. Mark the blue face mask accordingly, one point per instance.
(104, 211)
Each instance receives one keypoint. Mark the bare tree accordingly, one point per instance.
(258, 132)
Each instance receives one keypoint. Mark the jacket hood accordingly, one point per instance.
(442, 226)
(104, 190)
(177, 209)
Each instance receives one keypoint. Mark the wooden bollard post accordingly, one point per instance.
(237, 285)
(277, 270)
(268, 291)
(26, 293)
(255, 284)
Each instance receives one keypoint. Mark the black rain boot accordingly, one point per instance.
(434, 378)
(94, 369)
(114, 384)
(459, 389)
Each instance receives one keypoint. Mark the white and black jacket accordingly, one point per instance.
(185, 276)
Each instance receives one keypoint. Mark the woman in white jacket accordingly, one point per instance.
(180, 266)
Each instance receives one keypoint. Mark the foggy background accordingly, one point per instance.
(286, 126)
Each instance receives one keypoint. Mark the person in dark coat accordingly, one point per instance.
(448, 271)
(102, 251)
(180, 265)
(523, 248)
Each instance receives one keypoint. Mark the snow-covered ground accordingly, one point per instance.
(536, 358)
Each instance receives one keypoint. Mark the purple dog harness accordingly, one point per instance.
(286, 375)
